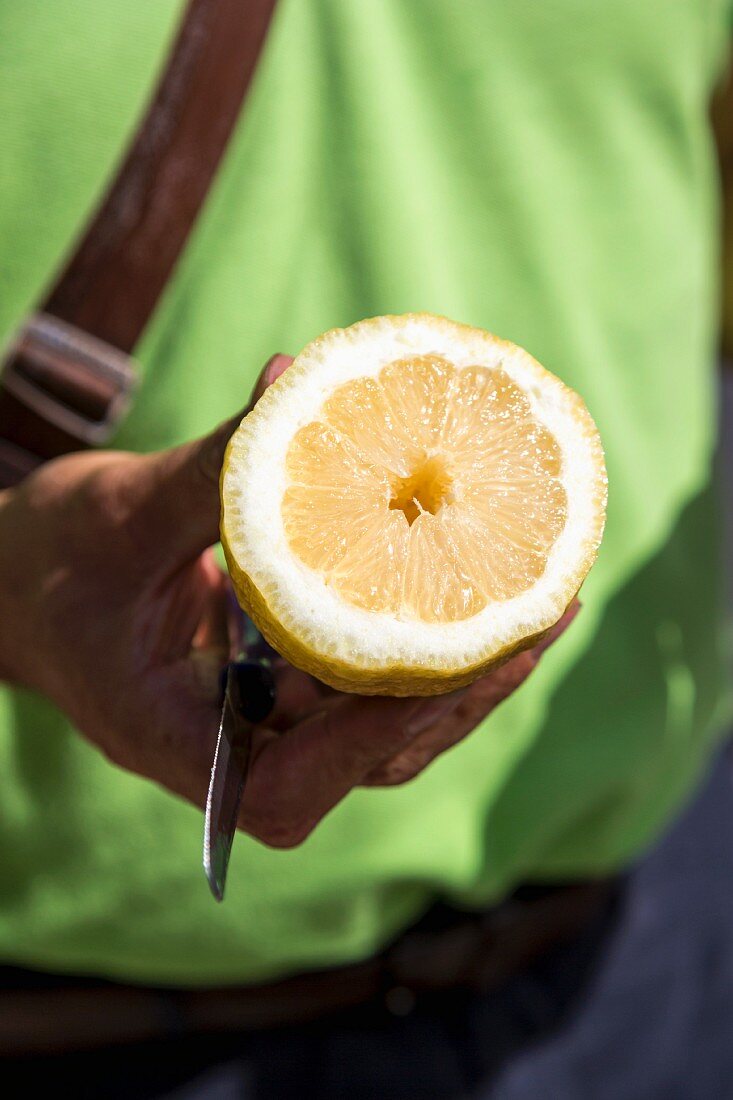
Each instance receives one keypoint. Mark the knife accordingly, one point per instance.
(248, 698)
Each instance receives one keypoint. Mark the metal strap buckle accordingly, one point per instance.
(46, 348)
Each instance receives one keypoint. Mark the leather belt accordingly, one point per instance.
(447, 950)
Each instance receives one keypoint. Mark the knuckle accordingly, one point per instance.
(208, 457)
(109, 492)
(115, 751)
(397, 772)
(281, 833)
(124, 505)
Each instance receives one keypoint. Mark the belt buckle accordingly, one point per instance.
(47, 347)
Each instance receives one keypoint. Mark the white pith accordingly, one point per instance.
(298, 597)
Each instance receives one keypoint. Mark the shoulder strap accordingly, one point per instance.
(68, 377)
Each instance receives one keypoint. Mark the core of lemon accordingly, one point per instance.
(410, 503)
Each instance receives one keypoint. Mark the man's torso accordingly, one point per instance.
(540, 170)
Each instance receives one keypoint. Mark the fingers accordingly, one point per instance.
(213, 630)
(298, 776)
(189, 611)
(298, 696)
(479, 701)
(559, 628)
(295, 779)
(203, 457)
(178, 490)
(164, 729)
(270, 373)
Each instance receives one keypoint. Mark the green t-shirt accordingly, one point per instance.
(540, 168)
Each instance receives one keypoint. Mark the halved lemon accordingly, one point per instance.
(411, 503)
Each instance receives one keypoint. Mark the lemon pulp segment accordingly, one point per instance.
(425, 492)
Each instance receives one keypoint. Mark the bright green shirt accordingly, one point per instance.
(540, 168)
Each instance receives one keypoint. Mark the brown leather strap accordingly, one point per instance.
(60, 391)
(445, 951)
(112, 283)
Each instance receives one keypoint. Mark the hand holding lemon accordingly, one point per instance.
(447, 484)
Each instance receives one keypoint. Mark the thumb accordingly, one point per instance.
(180, 494)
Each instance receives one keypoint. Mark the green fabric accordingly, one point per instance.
(541, 168)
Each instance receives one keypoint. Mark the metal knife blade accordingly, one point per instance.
(249, 696)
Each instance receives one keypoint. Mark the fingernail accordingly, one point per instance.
(211, 453)
(429, 712)
(270, 366)
(274, 367)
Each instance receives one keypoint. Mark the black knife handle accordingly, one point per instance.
(252, 688)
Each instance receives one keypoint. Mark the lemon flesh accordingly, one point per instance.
(425, 492)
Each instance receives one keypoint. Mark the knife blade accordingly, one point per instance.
(249, 696)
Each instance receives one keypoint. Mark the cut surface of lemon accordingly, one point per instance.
(413, 501)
